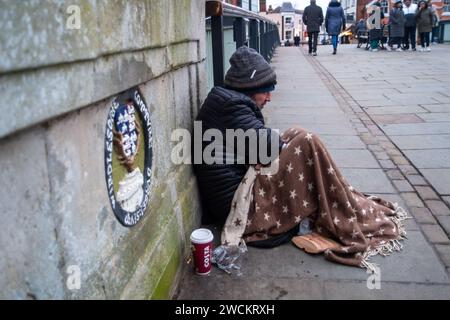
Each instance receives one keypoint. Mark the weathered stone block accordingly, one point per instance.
(30, 255)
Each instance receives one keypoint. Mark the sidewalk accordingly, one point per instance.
(308, 95)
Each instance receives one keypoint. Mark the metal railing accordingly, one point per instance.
(248, 29)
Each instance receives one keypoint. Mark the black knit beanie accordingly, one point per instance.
(249, 71)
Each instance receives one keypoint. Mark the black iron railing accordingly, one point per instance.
(249, 29)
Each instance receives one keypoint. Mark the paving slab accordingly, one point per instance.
(422, 142)
(434, 158)
(368, 180)
(416, 128)
(395, 110)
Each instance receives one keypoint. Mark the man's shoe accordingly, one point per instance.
(414, 49)
(314, 243)
(314, 53)
(334, 51)
(428, 49)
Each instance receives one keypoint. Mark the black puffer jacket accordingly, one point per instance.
(226, 109)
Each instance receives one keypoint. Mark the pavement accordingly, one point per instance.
(384, 117)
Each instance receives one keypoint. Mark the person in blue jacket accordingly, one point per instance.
(334, 22)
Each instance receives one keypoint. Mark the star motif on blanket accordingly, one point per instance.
(274, 199)
(352, 219)
(266, 216)
(332, 188)
(363, 212)
(249, 222)
(285, 209)
(355, 234)
(381, 232)
(336, 220)
(305, 203)
(309, 136)
(289, 167)
(281, 184)
(335, 205)
(330, 170)
(244, 180)
(354, 210)
(298, 151)
(371, 210)
(345, 249)
(319, 229)
(257, 208)
(234, 205)
(349, 205)
(310, 162)
(237, 222)
(310, 186)
(323, 214)
(351, 188)
(297, 219)
(262, 192)
(369, 235)
(293, 194)
(269, 176)
(278, 224)
(301, 177)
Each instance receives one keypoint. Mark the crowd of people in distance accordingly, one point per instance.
(398, 32)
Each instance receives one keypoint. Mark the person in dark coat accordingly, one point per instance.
(334, 22)
(409, 10)
(313, 19)
(236, 106)
(397, 26)
(301, 186)
(424, 19)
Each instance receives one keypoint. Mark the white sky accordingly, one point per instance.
(298, 4)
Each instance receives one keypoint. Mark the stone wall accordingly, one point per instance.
(57, 86)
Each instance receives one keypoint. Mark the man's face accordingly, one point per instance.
(261, 98)
(407, 2)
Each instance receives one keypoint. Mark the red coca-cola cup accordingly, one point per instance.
(202, 245)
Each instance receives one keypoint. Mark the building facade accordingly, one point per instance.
(288, 20)
(251, 5)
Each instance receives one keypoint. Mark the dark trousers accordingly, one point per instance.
(410, 35)
(435, 35)
(312, 41)
(395, 40)
(425, 39)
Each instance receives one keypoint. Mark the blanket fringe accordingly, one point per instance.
(385, 248)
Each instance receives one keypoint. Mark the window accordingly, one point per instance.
(288, 20)
(446, 6)
(385, 6)
(288, 35)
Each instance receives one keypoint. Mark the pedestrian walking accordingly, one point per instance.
(397, 26)
(334, 22)
(424, 20)
(409, 10)
(313, 19)
(264, 204)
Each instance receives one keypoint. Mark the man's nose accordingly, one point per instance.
(269, 96)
